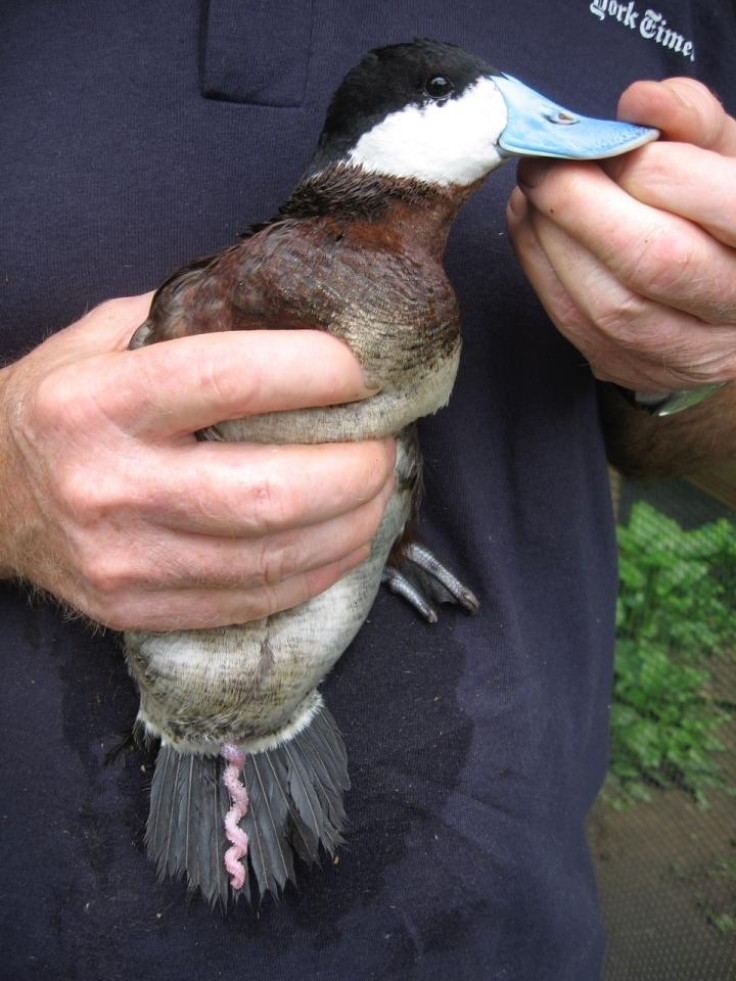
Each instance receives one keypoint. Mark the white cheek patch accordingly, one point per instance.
(454, 143)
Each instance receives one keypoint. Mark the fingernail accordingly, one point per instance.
(370, 383)
(674, 87)
(532, 171)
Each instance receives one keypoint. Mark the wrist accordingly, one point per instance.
(662, 404)
(12, 483)
(7, 570)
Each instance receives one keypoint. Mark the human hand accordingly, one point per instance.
(634, 258)
(109, 501)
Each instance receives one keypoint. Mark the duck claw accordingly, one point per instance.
(424, 582)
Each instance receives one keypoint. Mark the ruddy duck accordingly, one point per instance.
(249, 752)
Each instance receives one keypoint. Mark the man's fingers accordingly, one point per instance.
(634, 258)
(178, 386)
(537, 267)
(684, 180)
(115, 580)
(242, 564)
(227, 489)
(684, 110)
(133, 521)
(249, 489)
(658, 255)
(627, 338)
(192, 609)
(674, 348)
(621, 365)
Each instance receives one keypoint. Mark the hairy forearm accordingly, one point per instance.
(640, 445)
(13, 491)
(6, 568)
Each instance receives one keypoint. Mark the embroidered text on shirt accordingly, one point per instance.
(651, 25)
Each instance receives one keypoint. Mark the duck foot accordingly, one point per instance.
(424, 582)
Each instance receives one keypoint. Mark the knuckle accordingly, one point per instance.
(51, 402)
(319, 580)
(269, 599)
(114, 308)
(620, 320)
(74, 491)
(660, 260)
(649, 168)
(214, 377)
(270, 503)
(60, 405)
(106, 577)
(265, 603)
(692, 367)
(207, 378)
(364, 524)
(277, 562)
(87, 498)
(663, 262)
(369, 467)
(109, 307)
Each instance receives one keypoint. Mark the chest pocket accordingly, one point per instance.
(256, 51)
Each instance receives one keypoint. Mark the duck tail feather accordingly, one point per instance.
(292, 803)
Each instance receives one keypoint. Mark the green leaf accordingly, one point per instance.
(674, 612)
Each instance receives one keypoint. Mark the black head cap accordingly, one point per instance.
(388, 79)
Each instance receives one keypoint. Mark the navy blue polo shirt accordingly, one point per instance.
(136, 135)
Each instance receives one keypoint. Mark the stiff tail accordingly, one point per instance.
(292, 805)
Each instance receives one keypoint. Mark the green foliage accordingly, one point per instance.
(723, 871)
(725, 923)
(675, 611)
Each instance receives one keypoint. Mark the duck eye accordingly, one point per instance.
(438, 87)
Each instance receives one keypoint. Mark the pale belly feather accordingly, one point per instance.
(254, 684)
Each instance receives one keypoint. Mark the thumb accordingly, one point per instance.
(684, 110)
(185, 384)
(177, 387)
